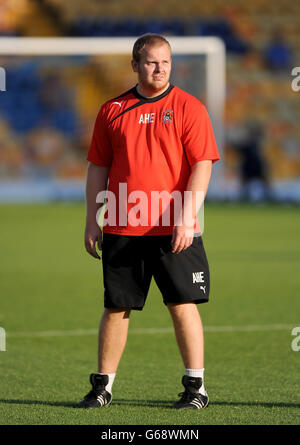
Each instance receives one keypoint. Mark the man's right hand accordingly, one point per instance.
(93, 235)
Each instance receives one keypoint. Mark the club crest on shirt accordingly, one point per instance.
(168, 116)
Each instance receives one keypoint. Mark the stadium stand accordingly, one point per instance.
(256, 89)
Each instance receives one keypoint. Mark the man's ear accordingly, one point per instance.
(134, 65)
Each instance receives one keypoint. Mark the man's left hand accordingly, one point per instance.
(182, 238)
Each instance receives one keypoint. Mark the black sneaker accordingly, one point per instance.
(98, 396)
(191, 398)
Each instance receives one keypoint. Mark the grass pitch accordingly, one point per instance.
(51, 302)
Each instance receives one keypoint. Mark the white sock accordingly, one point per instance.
(197, 373)
(111, 378)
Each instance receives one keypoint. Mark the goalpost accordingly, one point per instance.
(211, 47)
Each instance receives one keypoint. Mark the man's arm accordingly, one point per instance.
(96, 182)
(198, 182)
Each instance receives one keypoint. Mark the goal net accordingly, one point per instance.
(54, 88)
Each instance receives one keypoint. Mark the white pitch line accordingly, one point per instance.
(81, 332)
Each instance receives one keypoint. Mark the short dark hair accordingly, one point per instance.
(146, 39)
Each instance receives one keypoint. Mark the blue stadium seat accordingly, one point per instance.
(222, 29)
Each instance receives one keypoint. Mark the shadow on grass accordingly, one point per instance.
(262, 404)
(121, 402)
(151, 403)
(168, 404)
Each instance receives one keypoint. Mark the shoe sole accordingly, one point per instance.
(190, 407)
(93, 407)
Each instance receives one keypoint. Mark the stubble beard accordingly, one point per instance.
(155, 86)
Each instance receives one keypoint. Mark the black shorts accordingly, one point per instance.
(129, 262)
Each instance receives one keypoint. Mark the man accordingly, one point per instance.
(153, 138)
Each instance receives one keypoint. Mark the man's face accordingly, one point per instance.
(154, 67)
